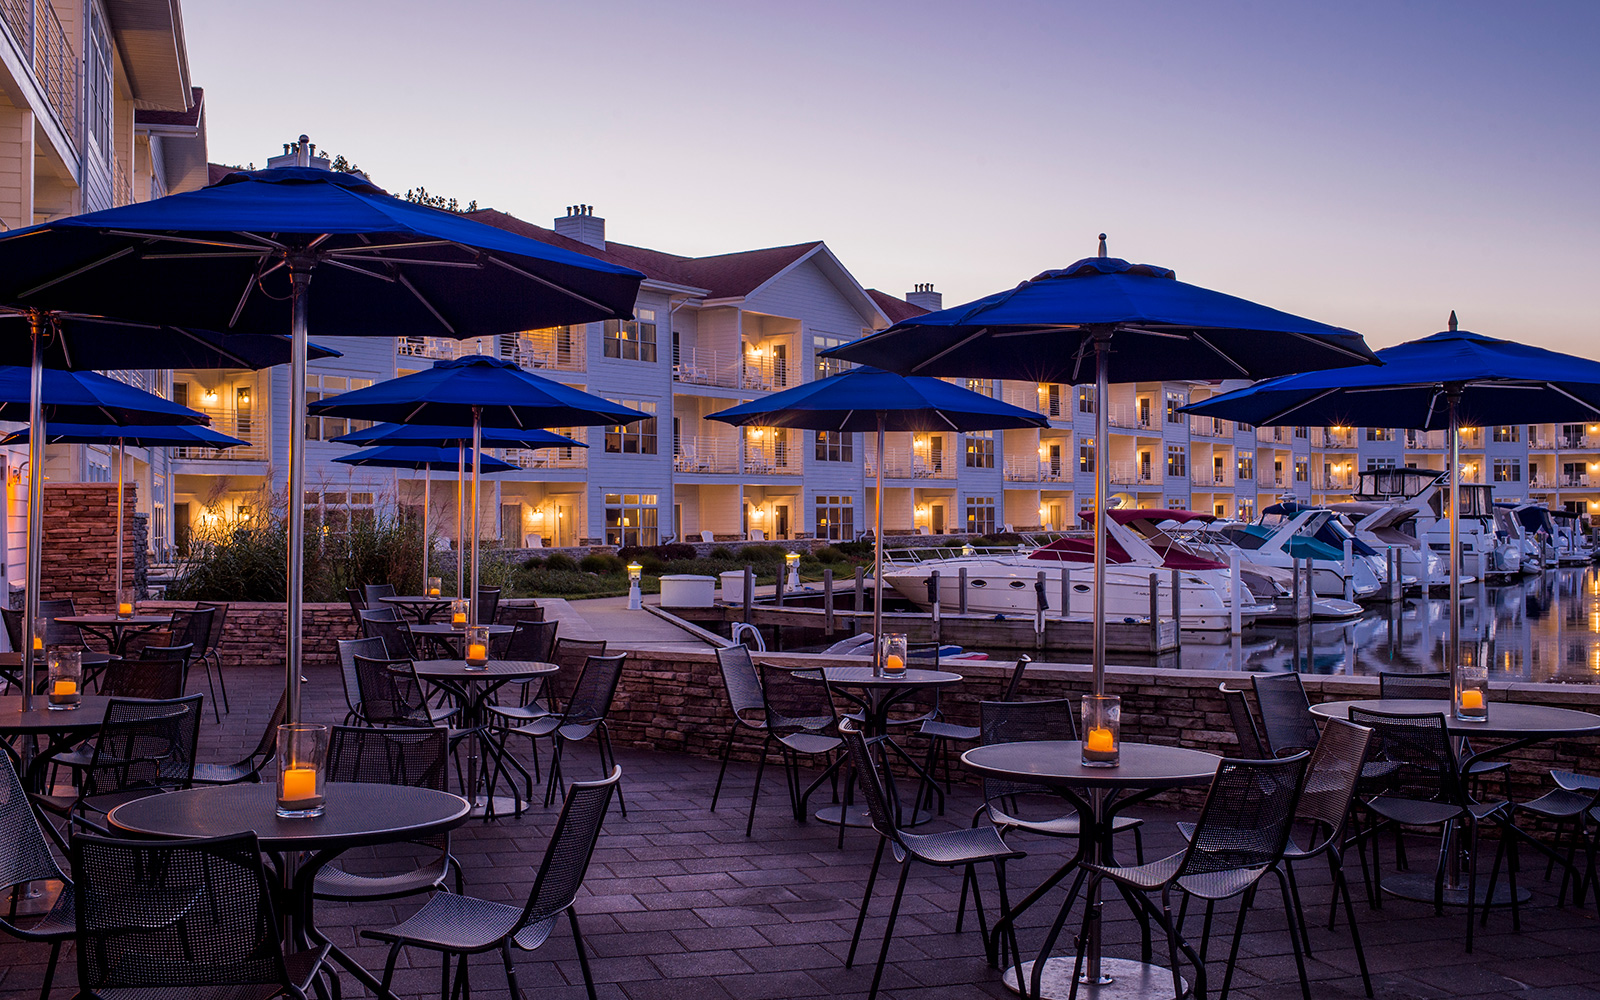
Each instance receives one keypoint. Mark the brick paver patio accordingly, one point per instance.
(680, 904)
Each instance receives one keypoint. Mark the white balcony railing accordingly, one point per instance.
(245, 428)
(1214, 477)
(1033, 470)
(40, 38)
(1569, 480)
(1125, 415)
(707, 456)
(1425, 440)
(435, 348)
(1273, 435)
(1134, 474)
(899, 463)
(771, 454)
(1210, 427)
(560, 348)
(1335, 481)
(1344, 438)
(547, 458)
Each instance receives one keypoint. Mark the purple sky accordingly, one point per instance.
(1373, 165)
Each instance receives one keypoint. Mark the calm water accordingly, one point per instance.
(1543, 628)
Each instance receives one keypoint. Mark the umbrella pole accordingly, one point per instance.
(300, 276)
(122, 456)
(1452, 402)
(877, 558)
(427, 540)
(1102, 494)
(477, 464)
(30, 601)
(461, 518)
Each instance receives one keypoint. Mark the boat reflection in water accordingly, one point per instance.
(1544, 628)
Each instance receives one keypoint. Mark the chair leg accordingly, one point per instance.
(967, 877)
(1245, 903)
(1289, 917)
(866, 897)
(888, 930)
(583, 952)
(755, 792)
(1341, 889)
(608, 760)
(1472, 877)
(1300, 913)
(216, 709)
(222, 682)
(511, 971)
(50, 969)
(727, 751)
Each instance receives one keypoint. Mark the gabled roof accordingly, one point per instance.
(217, 171)
(894, 308)
(733, 275)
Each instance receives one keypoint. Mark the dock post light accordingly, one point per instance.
(793, 561)
(635, 599)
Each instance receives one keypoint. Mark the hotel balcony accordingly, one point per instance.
(1134, 474)
(1343, 437)
(1133, 417)
(1212, 479)
(768, 452)
(1334, 481)
(1582, 479)
(1275, 435)
(732, 370)
(706, 456)
(547, 458)
(234, 424)
(36, 30)
(1425, 440)
(902, 464)
(1210, 427)
(1030, 470)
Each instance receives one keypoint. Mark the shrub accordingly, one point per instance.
(761, 554)
(650, 565)
(602, 564)
(560, 562)
(533, 562)
(830, 554)
(662, 553)
(721, 554)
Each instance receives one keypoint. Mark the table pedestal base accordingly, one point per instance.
(35, 899)
(1419, 887)
(504, 805)
(1130, 980)
(856, 815)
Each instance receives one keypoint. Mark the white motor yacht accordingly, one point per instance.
(1288, 531)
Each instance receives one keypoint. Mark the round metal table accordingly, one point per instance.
(878, 694)
(1098, 794)
(420, 606)
(61, 729)
(1518, 725)
(449, 637)
(356, 815)
(471, 687)
(114, 630)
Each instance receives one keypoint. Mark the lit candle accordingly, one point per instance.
(65, 688)
(1100, 741)
(893, 663)
(459, 618)
(125, 610)
(477, 652)
(299, 783)
(1472, 699)
(38, 644)
(433, 591)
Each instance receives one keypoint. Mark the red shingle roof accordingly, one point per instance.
(896, 309)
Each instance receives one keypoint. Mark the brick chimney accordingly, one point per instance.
(581, 224)
(924, 297)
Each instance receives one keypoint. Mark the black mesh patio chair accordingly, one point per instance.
(391, 694)
(488, 604)
(1243, 829)
(396, 634)
(198, 629)
(1244, 724)
(25, 857)
(247, 769)
(942, 733)
(459, 925)
(357, 602)
(419, 758)
(534, 641)
(569, 656)
(1013, 805)
(1423, 788)
(511, 614)
(182, 918)
(1286, 719)
(373, 649)
(1435, 686)
(374, 593)
(742, 684)
(60, 633)
(583, 715)
(12, 619)
(153, 675)
(801, 719)
(964, 849)
(144, 746)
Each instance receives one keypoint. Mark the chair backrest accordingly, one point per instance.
(218, 623)
(571, 846)
(357, 602)
(569, 656)
(24, 853)
(193, 628)
(1286, 719)
(153, 677)
(12, 617)
(879, 808)
(488, 604)
(184, 652)
(1248, 815)
(391, 694)
(1434, 685)
(373, 594)
(529, 641)
(1022, 721)
(1015, 682)
(1244, 724)
(1331, 779)
(268, 744)
(740, 679)
(1415, 753)
(144, 744)
(511, 614)
(372, 648)
(383, 613)
(590, 701)
(418, 757)
(175, 915)
(59, 633)
(396, 635)
(796, 701)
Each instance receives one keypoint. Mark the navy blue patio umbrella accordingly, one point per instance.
(869, 399)
(443, 436)
(476, 391)
(174, 436)
(1137, 322)
(240, 256)
(1435, 383)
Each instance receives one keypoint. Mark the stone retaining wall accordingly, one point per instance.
(253, 632)
(79, 559)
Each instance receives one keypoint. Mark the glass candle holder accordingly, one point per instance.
(1102, 730)
(65, 681)
(302, 749)
(125, 604)
(477, 646)
(434, 586)
(458, 613)
(41, 628)
(1470, 692)
(892, 654)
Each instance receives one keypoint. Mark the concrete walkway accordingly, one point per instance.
(608, 618)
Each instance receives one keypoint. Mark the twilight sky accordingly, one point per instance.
(1368, 164)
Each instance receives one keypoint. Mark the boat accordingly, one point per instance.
(1423, 491)
(1573, 547)
(1007, 581)
(1523, 526)
(1385, 526)
(1289, 531)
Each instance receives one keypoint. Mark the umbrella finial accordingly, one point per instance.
(1452, 321)
(1102, 244)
